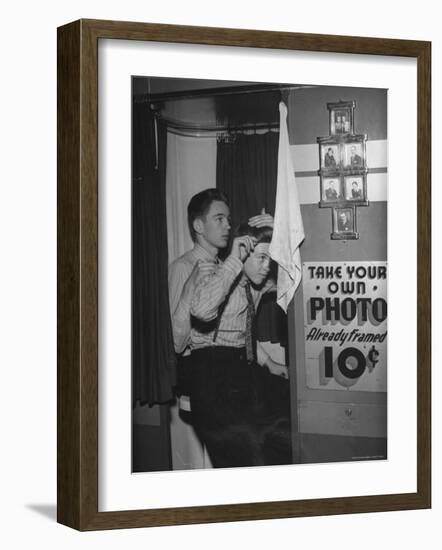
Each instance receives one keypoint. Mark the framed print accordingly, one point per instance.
(344, 223)
(213, 365)
(332, 189)
(330, 156)
(341, 117)
(356, 188)
(354, 153)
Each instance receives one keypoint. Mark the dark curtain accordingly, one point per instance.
(153, 356)
(246, 170)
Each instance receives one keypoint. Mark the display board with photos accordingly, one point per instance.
(343, 170)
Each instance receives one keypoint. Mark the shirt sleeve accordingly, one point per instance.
(178, 274)
(179, 310)
(211, 291)
(270, 286)
(261, 355)
(181, 327)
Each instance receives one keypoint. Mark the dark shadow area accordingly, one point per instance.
(321, 448)
(47, 510)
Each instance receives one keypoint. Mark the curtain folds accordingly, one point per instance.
(153, 356)
(246, 170)
(191, 168)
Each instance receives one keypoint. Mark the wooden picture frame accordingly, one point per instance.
(341, 118)
(332, 190)
(345, 224)
(329, 155)
(77, 223)
(354, 154)
(355, 189)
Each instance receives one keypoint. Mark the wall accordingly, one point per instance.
(28, 320)
(308, 114)
(322, 412)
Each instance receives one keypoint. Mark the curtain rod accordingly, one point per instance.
(180, 127)
(215, 92)
(213, 133)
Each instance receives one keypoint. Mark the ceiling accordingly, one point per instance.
(211, 104)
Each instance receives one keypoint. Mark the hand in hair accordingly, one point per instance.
(261, 220)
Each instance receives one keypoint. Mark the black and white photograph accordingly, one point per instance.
(355, 188)
(341, 118)
(345, 225)
(354, 155)
(244, 352)
(344, 220)
(134, 118)
(330, 157)
(331, 189)
(341, 122)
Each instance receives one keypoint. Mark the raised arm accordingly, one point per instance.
(181, 288)
(211, 292)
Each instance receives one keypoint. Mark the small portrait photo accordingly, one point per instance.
(340, 123)
(354, 188)
(344, 220)
(353, 155)
(331, 189)
(330, 157)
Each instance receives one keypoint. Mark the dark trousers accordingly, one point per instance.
(240, 412)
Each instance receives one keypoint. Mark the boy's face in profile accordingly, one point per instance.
(214, 227)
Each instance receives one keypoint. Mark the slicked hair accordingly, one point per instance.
(261, 234)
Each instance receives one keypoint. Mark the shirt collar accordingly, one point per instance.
(201, 253)
(243, 280)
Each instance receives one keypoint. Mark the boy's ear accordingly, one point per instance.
(198, 225)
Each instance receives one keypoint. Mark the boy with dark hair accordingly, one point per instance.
(208, 217)
(199, 206)
(228, 393)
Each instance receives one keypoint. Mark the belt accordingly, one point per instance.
(226, 351)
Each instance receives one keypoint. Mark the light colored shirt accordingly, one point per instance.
(220, 301)
(179, 272)
(196, 333)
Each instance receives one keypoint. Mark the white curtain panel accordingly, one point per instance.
(191, 167)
